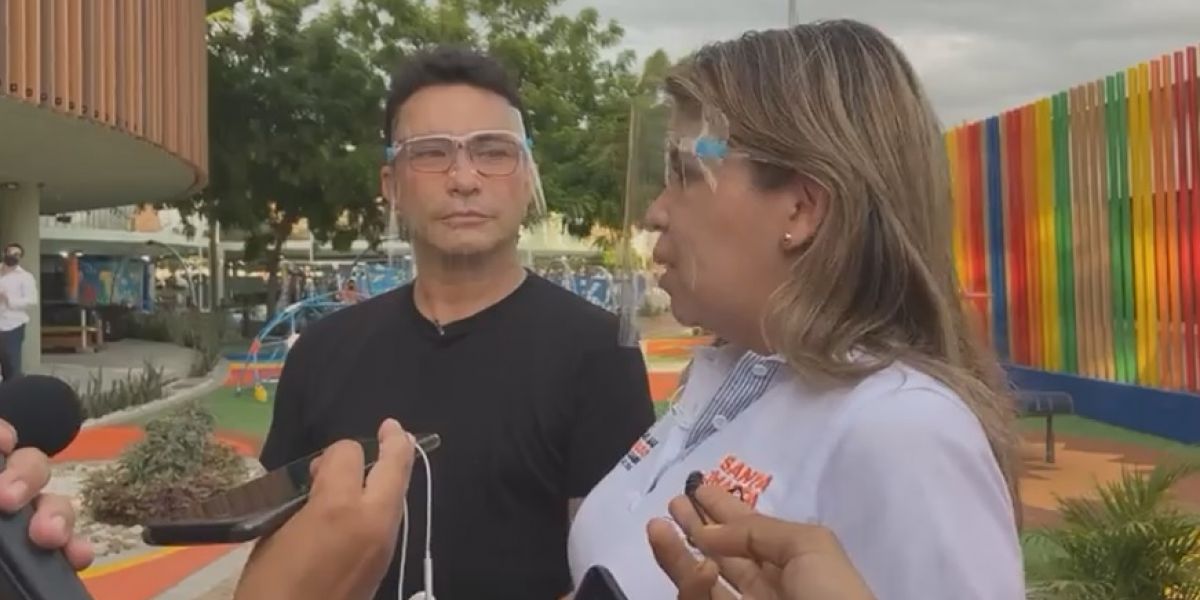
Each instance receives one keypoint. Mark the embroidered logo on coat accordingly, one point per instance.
(740, 479)
(640, 449)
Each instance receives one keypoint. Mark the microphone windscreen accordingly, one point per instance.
(45, 411)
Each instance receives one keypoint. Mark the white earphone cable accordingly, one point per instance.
(427, 594)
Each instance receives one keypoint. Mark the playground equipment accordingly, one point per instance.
(594, 283)
(276, 337)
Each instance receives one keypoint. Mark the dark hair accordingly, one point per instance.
(17, 246)
(446, 65)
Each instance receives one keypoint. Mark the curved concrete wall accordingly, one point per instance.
(135, 69)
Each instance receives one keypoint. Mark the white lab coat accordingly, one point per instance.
(19, 290)
(898, 467)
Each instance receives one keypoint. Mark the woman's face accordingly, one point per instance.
(722, 243)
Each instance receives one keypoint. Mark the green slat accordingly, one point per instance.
(1062, 146)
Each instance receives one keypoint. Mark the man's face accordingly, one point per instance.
(12, 255)
(460, 180)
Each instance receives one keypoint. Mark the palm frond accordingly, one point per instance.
(1126, 543)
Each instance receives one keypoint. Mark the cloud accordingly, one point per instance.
(976, 57)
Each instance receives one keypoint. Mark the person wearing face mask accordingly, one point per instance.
(18, 292)
(524, 381)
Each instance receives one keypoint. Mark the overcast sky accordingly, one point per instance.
(977, 57)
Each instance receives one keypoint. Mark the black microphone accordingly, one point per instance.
(693, 482)
(47, 414)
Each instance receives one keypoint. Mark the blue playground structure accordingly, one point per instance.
(275, 338)
(270, 346)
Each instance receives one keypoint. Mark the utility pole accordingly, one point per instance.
(793, 18)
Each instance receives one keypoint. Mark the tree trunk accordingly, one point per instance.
(274, 257)
(280, 231)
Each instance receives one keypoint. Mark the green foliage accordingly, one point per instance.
(99, 398)
(294, 131)
(1128, 544)
(203, 332)
(179, 462)
(576, 102)
(297, 89)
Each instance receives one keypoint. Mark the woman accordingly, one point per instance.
(805, 222)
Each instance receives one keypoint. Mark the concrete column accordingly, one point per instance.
(19, 211)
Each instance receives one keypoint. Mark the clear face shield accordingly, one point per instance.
(506, 188)
(674, 158)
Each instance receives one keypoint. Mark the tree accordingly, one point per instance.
(293, 115)
(296, 99)
(576, 101)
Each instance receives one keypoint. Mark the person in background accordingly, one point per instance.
(349, 293)
(18, 292)
(525, 382)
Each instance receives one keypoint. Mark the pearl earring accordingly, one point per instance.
(787, 240)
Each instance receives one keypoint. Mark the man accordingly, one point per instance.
(526, 384)
(18, 292)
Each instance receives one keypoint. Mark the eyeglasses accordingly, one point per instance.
(492, 153)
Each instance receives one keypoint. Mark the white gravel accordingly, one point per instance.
(108, 540)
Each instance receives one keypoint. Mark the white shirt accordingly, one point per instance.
(897, 467)
(19, 290)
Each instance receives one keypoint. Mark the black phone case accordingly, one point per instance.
(599, 584)
(29, 572)
(232, 531)
(197, 532)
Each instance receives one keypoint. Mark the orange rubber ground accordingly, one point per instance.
(146, 576)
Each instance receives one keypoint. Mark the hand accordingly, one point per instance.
(26, 472)
(761, 557)
(341, 543)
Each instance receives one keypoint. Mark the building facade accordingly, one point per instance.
(103, 103)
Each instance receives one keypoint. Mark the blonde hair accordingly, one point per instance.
(838, 103)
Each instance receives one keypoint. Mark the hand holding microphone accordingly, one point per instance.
(39, 555)
(761, 557)
(340, 543)
(26, 472)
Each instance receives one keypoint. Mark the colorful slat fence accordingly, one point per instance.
(1077, 226)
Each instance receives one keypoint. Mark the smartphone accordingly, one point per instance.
(599, 584)
(254, 509)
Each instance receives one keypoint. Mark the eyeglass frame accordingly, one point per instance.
(708, 147)
(393, 151)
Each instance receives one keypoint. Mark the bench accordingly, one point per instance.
(71, 327)
(1038, 403)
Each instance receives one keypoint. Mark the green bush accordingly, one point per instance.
(1129, 544)
(99, 399)
(178, 463)
(153, 326)
(203, 332)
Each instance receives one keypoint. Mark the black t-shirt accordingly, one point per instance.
(534, 400)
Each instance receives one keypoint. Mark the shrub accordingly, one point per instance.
(1129, 544)
(99, 399)
(178, 463)
(203, 332)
